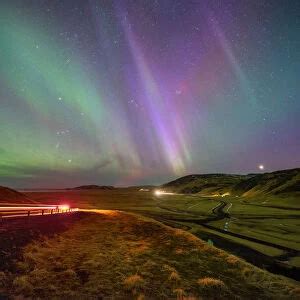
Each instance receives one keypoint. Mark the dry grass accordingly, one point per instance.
(139, 248)
(211, 286)
(133, 282)
(180, 294)
(180, 251)
(140, 297)
(2, 280)
(211, 282)
(174, 276)
(123, 256)
(233, 260)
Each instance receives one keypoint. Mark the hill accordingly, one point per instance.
(279, 182)
(142, 187)
(94, 187)
(274, 183)
(116, 255)
(207, 184)
(8, 195)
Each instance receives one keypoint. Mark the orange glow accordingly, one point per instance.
(157, 193)
(64, 207)
(108, 212)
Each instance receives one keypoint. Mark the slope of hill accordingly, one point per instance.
(279, 182)
(206, 184)
(8, 195)
(285, 181)
(116, 255)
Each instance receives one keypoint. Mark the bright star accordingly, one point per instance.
(261, 167)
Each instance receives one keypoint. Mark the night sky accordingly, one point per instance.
(141, 92)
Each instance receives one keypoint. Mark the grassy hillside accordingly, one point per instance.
(8, 195)
(109, 254)
(275, 183)
(272, 219)
(208, 184)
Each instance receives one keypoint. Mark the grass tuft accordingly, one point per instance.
(133, 282)
(22, 286)
(174, 276)
(140, 297)
(212, 286)
(232, 260)
(180, 293)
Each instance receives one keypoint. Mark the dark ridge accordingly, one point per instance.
(93, 187)
(8, 195)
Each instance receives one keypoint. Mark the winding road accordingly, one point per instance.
(219, 212)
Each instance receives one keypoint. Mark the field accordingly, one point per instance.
(263, 231)
(115, 255)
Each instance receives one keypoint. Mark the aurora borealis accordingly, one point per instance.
(140, 92)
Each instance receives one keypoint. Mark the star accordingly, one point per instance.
(161, 88)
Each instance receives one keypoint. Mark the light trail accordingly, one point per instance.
(13, 208)
(38, 210)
